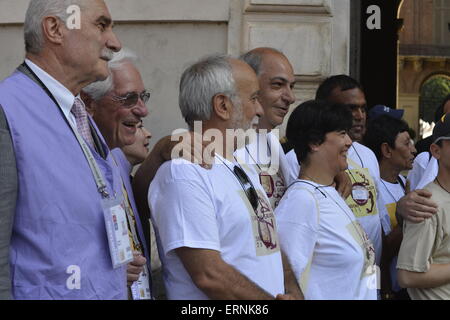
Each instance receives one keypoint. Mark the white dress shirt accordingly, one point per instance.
(63, 96)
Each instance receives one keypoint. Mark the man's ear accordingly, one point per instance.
(53, 29)
(386, 150)
(222, 106)
(314, 147)
(435, 151)
(89, 103)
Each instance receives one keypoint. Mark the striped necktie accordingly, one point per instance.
(81, 116)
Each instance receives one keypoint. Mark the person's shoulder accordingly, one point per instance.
(274, 139)
(363, 150)
(422, 159)
(432, 186)
(179, 176)
(10, 81)
(301, 191)
(368, 157)
(121, 160)
(291, 157)
(118, 155)
(180, 169)
(438, 194)
(299, 205)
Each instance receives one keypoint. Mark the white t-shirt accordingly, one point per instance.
(424, 171)
(324, 244)
(208, 209)
(363, 157)
(390, 194)
(265, 159)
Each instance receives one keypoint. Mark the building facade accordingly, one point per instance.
(168, 35)
(424, 54)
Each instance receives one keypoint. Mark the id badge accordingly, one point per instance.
(140, 289)
(266, 181)
(360, 194)
(117, 230)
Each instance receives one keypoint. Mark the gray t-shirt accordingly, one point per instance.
(428, 243)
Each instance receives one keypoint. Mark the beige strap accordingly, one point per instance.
(304, 278)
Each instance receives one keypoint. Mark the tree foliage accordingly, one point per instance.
(432, 94)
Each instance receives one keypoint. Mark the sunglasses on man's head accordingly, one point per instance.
(248, 186)
(131, 99)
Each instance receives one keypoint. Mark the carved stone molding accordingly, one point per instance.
(321, 7)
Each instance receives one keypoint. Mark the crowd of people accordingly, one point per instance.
(346, 209)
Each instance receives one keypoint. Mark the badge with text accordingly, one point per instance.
(140, 289)
(117, 230)
(362, 200)
(361, 237)
(274, 186)
(264, 226)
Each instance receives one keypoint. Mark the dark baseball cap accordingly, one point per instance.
(380, 110)
(441, 130)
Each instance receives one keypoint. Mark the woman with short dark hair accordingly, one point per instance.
(329, 251)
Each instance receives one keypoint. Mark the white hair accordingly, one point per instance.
(201, 82)
(99, 89)
(36, 12)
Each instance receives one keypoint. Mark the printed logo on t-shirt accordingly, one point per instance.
(264, 227)
(362, 200)
(274, 186)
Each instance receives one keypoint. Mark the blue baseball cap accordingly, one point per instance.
(380, 110)
(441, 130)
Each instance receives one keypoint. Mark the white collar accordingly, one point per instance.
(63, 96)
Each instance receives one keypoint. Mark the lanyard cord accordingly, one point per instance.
(96, 172)
(440, 185)
(130, 212)
(256, 162)
(306, 182)
(325, 194)
(385, 186)
(362, 163)
(351, 221)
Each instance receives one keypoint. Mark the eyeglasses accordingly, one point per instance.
(132, 98)
(248, 187)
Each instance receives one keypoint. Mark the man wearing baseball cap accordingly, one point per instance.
(424, 258)
(379, 110)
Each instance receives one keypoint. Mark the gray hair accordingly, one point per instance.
(254, 58)
(99, 89)
(201, 82)
(36, 12)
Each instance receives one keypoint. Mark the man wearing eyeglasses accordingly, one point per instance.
(216, 229)
(118, 105)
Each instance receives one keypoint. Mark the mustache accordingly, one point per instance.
(255, 121)
(107, 54)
